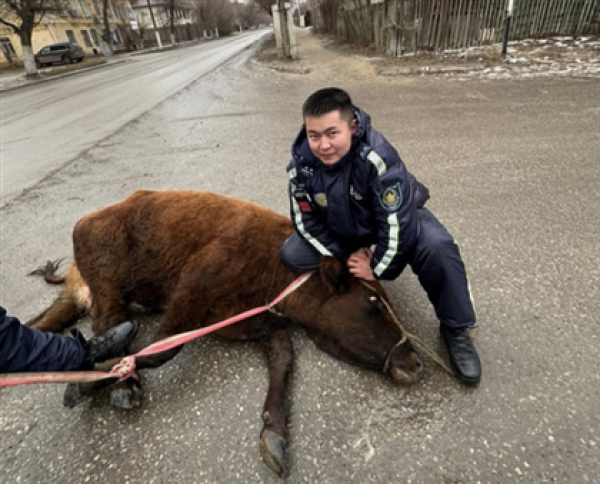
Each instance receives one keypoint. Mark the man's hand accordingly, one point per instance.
(359, 264)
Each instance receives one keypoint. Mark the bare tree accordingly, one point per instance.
(141, 34)
(266, 5)
(170, 11)
(152, 15)
(247, 13)
(109, 40)
(211, 14)
(22, 16)
(142, 22)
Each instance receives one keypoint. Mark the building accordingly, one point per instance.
(183, 14)
(81, 22)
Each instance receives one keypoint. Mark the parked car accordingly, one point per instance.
(64, 53)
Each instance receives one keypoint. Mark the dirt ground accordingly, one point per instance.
(320, 54)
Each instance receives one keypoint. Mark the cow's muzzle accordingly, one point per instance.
(403, 363)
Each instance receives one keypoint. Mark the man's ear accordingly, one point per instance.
(334, 274)
(354, 126)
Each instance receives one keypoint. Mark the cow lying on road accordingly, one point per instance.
(203, 258)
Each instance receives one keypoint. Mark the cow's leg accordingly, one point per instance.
(188, 309)
(183, 314)
(109, 307)
(126, 394)
(109, 310)
(280, 356)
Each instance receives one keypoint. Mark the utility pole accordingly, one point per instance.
(286, 42)
(509, 12)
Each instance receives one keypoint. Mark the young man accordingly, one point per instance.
(349, 190)
(23, 349)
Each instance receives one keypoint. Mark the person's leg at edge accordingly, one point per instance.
(298, 255)
(23, 349)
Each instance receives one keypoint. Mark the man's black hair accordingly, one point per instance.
(325, 101)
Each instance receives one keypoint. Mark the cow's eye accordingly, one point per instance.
(374, 300)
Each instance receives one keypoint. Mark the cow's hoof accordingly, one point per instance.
(272, 450)
(122, 398)
(72, 396)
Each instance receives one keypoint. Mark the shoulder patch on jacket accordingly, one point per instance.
(391, 198)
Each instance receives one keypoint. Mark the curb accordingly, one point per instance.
(280, 68)
(61, 76)
(156, 50)
(153, 50)
(404, 71)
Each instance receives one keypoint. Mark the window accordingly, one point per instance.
(97, 9)
(116, 37)
(74, 10)
(7, 46)
(95, 37)
(71, 36)
(86, 38)
(84, 9)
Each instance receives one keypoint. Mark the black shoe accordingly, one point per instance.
(463, 355)
(111, 344)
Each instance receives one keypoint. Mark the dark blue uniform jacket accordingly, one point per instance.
(367, 198)
(23, 349)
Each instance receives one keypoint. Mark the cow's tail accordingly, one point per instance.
(49, 272)
(73, 302)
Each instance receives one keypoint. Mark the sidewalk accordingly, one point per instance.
(556, 56)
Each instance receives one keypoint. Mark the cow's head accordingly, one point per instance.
(349, 320)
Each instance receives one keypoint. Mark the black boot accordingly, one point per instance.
(111, 344)
(463, 355)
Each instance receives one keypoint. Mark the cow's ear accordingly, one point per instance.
(335, 275)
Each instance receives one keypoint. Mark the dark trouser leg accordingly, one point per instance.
(437, 262)
(28, 350)
(298, 255)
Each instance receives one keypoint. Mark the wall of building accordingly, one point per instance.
(54, 29)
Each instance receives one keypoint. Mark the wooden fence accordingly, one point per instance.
(404, 26)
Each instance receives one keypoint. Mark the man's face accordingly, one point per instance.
(329, 136)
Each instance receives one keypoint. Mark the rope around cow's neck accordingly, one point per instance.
(413, 339)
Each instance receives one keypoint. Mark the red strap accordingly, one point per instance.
(126, 368)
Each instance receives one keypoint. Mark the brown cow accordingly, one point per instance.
(203, 258)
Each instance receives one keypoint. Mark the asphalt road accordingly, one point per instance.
(45, 126)
(514, 172)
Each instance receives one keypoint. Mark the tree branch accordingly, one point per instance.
(11, 25)
(41, 13)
